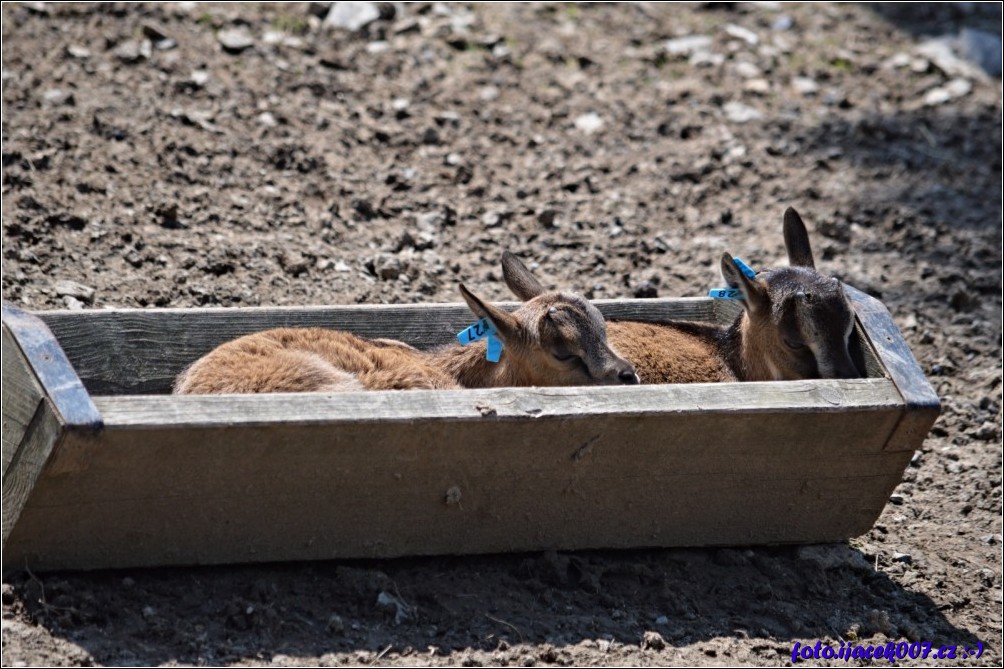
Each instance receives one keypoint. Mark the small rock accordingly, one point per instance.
(266, 119)
(646, 289)
(73, 289)
(293, 263)
(235, 40)
(7, 594)
(747, 70)
(199, 77)
(804, 85)
(685, 46)
(589, 123)
(652, 640)
(388, 268)
(77, 51)
(351, 16)
(737, 112)
(905, 558)
(149, 612)
(57, 96)
(706, 59)
(341, 266)
(494, 219)
(392, 604)
(161, 41)
(896, 498)
(378, 46)
(741, 33)
(72, 303)
(987, 432)
(662, 620)
(489, 93)
(898, 61)
(547, 218)
(942, 55)
(757, 86)
(783, 22)
(448, 118)
(132, 51)
(991, 539)
(956, 88)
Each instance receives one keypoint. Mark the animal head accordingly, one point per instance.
(560, 337)
(797, 321)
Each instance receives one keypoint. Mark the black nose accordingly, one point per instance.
(628, 376)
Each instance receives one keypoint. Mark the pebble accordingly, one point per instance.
(388, 268)
(652, 640)
(57, 96)
(941, 54)
(161, 41)
(589, 123)
(737, 112)
(351, 16)
(547, 218)
(747, 70)
(757, 86)
(72, 303)
(133, 51)
(956, 88)
(685, 46)
(783, 22)
(896, 498)
(706, 59)
(804, 85)
(905, 558)
(235, 40)
(342, 266)
(267, 120)
(987, 432)
(79, 291)
(77, 51)
(489, 93)
(744, 34)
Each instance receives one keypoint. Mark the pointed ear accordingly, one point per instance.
(517, 276)
(796, 240)
(755, 296)
(505, 323)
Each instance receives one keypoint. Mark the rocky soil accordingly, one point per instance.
(190, 154)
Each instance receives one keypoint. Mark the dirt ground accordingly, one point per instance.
(190, 154)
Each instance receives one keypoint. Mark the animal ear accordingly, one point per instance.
(755, 296)
(796, 240)
(504, 323)
(519, 279)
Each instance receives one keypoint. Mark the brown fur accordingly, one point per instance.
(552, 339)
(795, 325)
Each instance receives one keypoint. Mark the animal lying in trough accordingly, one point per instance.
(795, 324)
(553, 339)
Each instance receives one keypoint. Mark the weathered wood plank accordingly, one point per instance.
(822, 396)
(20, 476)
(922, 405)
(248, 491)
(52, 369)
(21, 397)
(112, 349)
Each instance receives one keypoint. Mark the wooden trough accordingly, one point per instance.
(103, 468)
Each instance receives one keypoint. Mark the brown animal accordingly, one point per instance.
(796, 324)
(552, 339)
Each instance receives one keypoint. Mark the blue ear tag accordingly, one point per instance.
(732, 293)
(480, 330)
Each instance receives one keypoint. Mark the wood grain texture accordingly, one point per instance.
(922, 405)
(53, 371)
(554, 469)
(111, 349)
(21, 397)
(19, 478)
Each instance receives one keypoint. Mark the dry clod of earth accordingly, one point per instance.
(240, 154)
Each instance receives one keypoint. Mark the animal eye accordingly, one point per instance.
(562, 354)
(793, 345)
